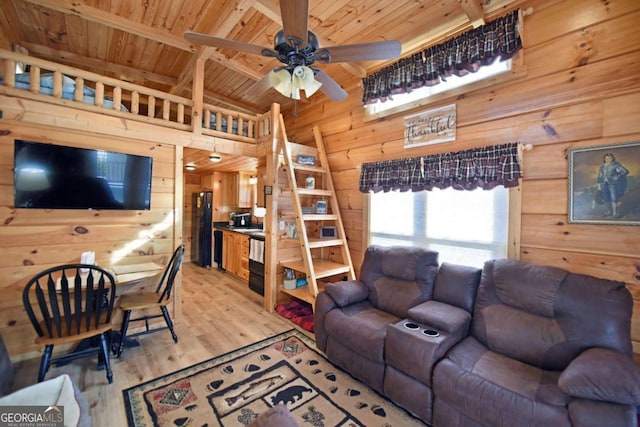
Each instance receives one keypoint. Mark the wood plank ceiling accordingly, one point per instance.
(141, 41)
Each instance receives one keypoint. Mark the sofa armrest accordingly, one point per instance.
(58, 391)
(444, 317)
(602, 374)
(348, 292)
(6, 369)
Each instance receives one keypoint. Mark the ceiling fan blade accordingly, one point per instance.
(206, 39)
(330, 87)
(373, 51)
(295, 19)
(261, 86)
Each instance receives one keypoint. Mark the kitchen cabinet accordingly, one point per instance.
(243, 269)
(245, 193)
(235, 254)
(229, 190)
(236, 190)
(228, 252)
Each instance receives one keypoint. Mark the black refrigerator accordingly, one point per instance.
(201, 243)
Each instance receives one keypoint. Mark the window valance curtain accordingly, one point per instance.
(459, 56)
(485, 167)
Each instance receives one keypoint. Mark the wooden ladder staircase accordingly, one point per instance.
(322, 257)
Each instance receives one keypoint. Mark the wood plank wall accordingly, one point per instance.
(580, 89)
(32, 240)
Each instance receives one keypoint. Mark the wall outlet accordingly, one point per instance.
(281, 225)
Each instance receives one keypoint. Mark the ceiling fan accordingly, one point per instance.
(298, 49)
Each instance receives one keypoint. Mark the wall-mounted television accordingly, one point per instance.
(59, 177)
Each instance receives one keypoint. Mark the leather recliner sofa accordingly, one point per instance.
(374, 327)
(511, 344)
(546, 348)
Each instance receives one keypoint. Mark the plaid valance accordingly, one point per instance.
(485, 167)
(459, 56)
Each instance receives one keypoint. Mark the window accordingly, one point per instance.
(452, 82)
(464, 227)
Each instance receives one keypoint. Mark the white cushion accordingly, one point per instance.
(58, 391)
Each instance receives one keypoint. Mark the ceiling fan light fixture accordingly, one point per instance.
(289, 83)
(281, 81)
(215, 158)
(303, 78)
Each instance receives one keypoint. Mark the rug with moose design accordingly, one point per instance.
(235, 388)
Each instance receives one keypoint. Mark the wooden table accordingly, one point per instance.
(130, 274)
(126, 275)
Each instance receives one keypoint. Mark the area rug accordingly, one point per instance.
(235, 388)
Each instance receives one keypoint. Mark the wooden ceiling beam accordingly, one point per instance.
(5, 42)
(182, 88)
(473, 9)
(186, 76)
(99, 16)
(225, 27)
(210, 98)
(129, 74)
(92, 14)
(270, 9)
(235, 66)
(435, 35)
(449, 29)
(184, 79)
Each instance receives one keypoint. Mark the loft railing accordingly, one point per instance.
(59, 84)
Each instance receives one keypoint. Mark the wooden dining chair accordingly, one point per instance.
(71, 303)
(149, 301)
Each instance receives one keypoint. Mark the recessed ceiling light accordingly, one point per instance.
(215, 157)
(190, 167)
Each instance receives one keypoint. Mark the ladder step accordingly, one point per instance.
(309, 217)
(325, 243)
(293, 264)
(325, 268)
(302, 293)
(315, 192)
(309, 168)
(319, 217)
(322, 267)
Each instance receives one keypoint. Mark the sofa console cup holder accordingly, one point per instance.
(427, 332)
(412, 326)
(431, 333)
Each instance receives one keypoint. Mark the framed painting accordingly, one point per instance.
(604, 184)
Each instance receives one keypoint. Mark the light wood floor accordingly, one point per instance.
(220, 314)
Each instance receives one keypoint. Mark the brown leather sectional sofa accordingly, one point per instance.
(511, 344)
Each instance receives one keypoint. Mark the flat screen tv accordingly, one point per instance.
(59, 177)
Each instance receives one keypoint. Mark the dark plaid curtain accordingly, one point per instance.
(485, 167)
(459, 56)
